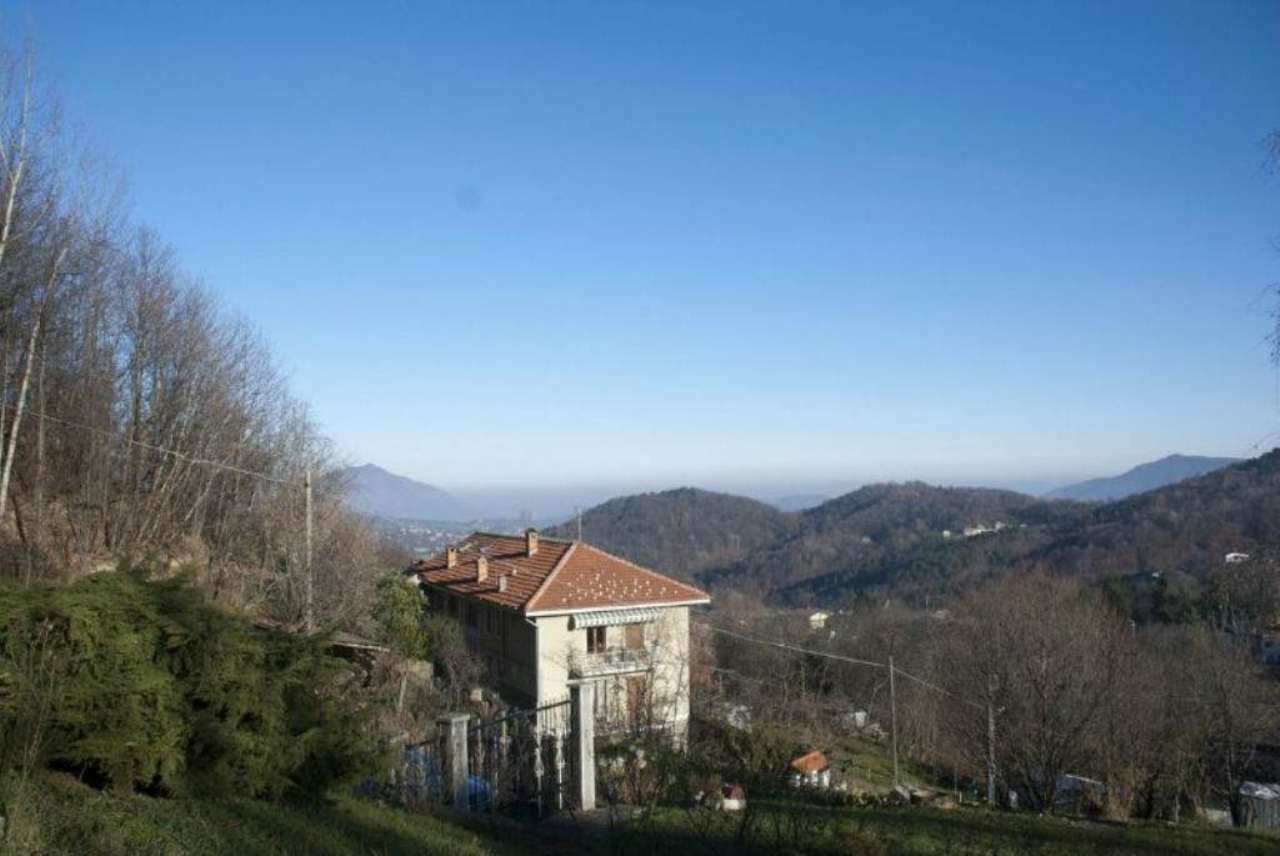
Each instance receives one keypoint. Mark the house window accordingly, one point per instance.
(634, 636)
(472, 618)
(595, 640)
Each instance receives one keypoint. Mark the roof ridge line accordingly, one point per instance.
(542, 587)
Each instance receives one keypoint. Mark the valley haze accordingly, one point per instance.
(381, 493)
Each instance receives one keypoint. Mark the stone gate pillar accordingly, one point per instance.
(454, 765)
(582, 708)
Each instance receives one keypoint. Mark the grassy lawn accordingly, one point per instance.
(926, 832)
(869, 766)
(74, 819)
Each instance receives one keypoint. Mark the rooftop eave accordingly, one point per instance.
(544, 613)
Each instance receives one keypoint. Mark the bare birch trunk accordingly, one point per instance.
(7, 470)
(37, 533)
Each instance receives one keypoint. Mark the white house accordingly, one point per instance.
(818, 620)
(547, 613)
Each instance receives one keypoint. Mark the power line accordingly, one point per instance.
(893, 703)
(206, 462)
(787, 647)
(839, 657)
(305, 484)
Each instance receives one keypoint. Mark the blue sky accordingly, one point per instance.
(718, 243)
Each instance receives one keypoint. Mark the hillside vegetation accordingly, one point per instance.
(893, 538)
(682, 532)
(142, 685)
(78, 820)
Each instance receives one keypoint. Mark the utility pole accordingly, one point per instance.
(577, 509)
(308, 615)
(893, 721)
(991, 754)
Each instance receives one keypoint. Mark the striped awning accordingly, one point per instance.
(613, 617)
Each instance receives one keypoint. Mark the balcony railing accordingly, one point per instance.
(611, 661)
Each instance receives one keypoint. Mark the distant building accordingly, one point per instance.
(855, 720)
(811, 770)
(1260, 804)
(1235, 558)
(818, 620)
(738, 716)
(732, 798)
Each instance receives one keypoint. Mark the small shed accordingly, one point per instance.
(811, 770)
(732, 798)
(1260, 804)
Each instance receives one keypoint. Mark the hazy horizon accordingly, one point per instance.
(559, 500)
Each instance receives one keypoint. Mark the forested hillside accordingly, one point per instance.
(896, 535)
(909, 540)
(1185, 528)
(139, 416)
(683, 531)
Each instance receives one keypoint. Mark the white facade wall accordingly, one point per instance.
(560, 647)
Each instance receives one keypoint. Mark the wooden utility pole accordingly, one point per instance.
(991, 754)
(308, 606)
(893, 721)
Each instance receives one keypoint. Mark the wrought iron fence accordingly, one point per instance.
(421, 774)
(417, 778)
(519, 763)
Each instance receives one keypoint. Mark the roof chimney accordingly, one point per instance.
(482, 569)
(450, 556)
(530, 541)
(502, 583)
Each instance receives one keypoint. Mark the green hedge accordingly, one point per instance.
(142, 684)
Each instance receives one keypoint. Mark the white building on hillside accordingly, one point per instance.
(547, 613)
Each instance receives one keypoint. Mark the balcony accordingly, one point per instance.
(610, 661)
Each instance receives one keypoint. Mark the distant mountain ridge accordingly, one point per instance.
(914, 540)
(860, 537)
(374, 491)
(1142, 478)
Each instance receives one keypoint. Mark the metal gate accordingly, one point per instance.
(519, 763)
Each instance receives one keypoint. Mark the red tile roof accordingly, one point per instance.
(561, 576)
(814, 762)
